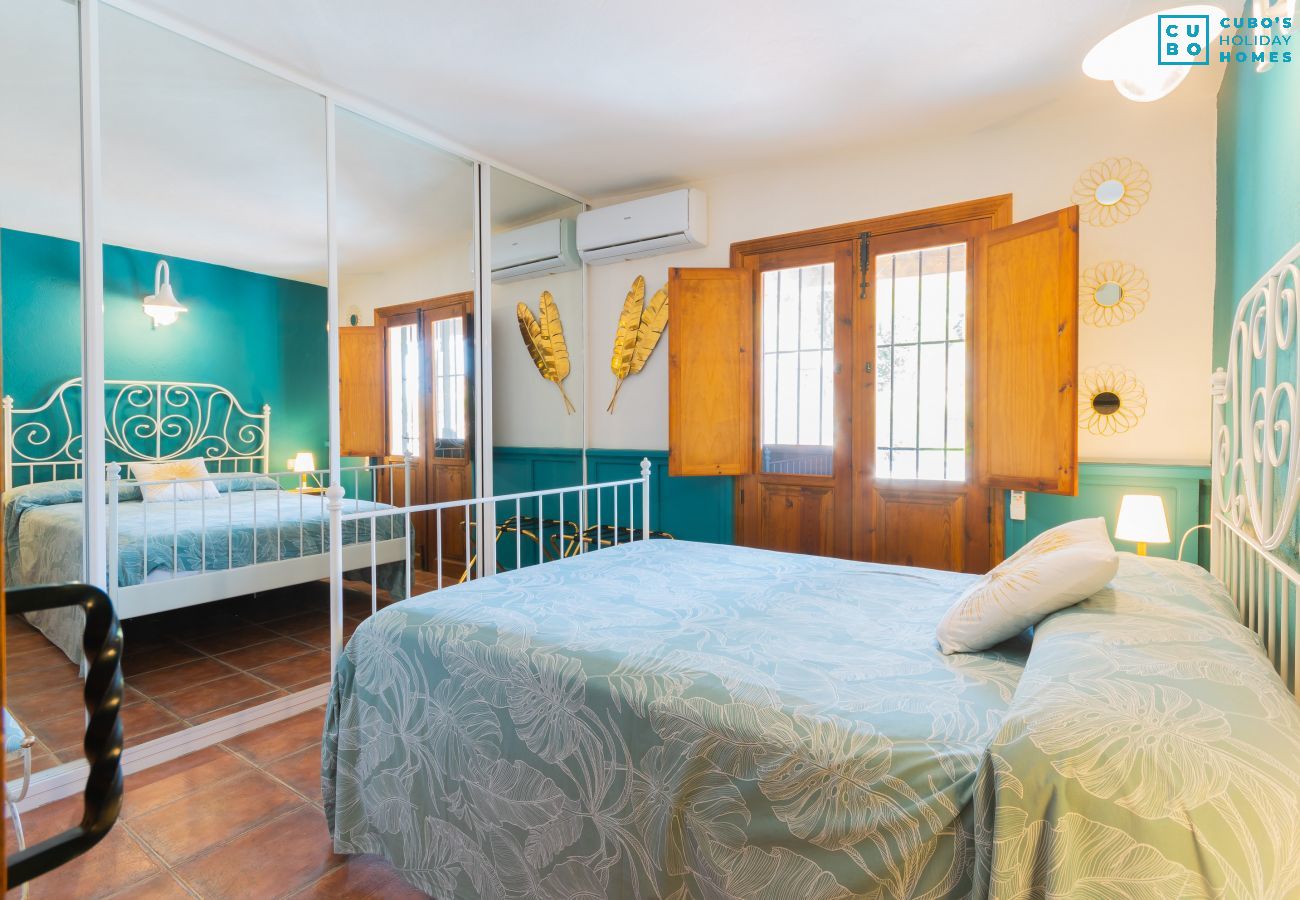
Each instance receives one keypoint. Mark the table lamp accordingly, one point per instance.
(303, 463)
(1142, 519)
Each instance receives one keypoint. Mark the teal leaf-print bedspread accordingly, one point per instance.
(248, 524)
(667, 719)
(679, 720)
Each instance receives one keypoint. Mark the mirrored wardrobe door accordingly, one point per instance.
(405, 233)
(539, 366)
(41, 333)
(216, 409)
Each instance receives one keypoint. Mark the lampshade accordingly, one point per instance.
(1142, 519)
(303, 462)
(1128, 56)
(161, 305)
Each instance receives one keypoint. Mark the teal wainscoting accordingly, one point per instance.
(1184, 489)
(694, 509)
(690, 509)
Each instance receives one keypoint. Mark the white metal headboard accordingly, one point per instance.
(1255, 491)
(144, 420)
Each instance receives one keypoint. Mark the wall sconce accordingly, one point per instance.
(1142, 519)
(1128, 57)
(161, 305)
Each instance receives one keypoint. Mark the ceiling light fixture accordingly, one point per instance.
(161, 305)
(1128, 56)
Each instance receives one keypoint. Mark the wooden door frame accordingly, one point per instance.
(986, 213)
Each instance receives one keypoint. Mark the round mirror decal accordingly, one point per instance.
(1112, 191)
(1112, 293)
(1111, 400)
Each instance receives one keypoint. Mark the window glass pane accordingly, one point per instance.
(404, 390)
(798, 316)
(450, 431)
(921, 364)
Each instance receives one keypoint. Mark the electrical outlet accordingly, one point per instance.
(1018, 506)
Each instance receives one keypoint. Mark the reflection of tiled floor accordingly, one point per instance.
(182, 668)
(239, 820)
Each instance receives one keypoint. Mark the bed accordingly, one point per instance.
(668, 719)
(260, 530)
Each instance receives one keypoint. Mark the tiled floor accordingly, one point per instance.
(239, 820)
(182, 668)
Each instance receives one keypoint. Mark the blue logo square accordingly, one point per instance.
(1183, 40)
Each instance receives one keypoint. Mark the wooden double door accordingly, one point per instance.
(423, 355)
(895, 382)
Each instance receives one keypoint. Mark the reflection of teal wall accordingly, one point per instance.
(1258, 182)
(1184, 490)
(697, 509)
(263, 338)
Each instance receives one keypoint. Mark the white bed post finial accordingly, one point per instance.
(266, 439)
(113, 479)
(9, 442)
(1219, 385)
(334, 498)
(645, 498)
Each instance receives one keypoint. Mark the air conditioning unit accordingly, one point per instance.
(677, 220)
(541, 249)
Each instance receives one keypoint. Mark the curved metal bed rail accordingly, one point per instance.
(103, 743)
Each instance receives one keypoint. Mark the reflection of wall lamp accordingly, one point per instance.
(1129, 56)
(161, 305)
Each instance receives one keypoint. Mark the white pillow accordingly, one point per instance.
(1060, 567)
(174, 470)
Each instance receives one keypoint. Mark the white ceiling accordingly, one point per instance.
(602, 97)
(208, 158)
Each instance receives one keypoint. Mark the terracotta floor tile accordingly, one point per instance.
(113, 864)
(360, 878)
(37, 659)
(233, 638)
(300, 622)
(147, 790)
(37, 705)
(249, 703)
(20, 642)
(213, 695)
(42, 759)
(213, 814)
(172, 679)
(279, 739)
(275, 650)
(150, 658)
(162, 886)
(309, 667)
(301, 771)
(19, 680)
(62, 731)
(269, 861)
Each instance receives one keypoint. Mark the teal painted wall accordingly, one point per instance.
(261, 337)
(1184, 489)
(1258, 182)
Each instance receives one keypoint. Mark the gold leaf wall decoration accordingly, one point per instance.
(546, 344)
(640, 326)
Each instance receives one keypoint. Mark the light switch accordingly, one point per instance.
(1018, 506)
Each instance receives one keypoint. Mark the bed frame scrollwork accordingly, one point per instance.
(1255, 492)
(146, 421)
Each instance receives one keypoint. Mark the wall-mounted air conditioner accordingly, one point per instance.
(677, 220)
(540, 249)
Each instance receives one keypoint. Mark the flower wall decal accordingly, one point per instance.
(1112, 293)
(1111, 400)
(1112, 191)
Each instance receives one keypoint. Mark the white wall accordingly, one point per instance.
(1037, 157)
(443, 270)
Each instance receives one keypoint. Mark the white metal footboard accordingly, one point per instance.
(596, 523)
(292, 519)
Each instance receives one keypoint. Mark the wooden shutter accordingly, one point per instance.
(361, 391)
(710, 371)
(1026, 355)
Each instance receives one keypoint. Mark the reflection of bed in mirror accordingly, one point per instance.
(178, 538)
